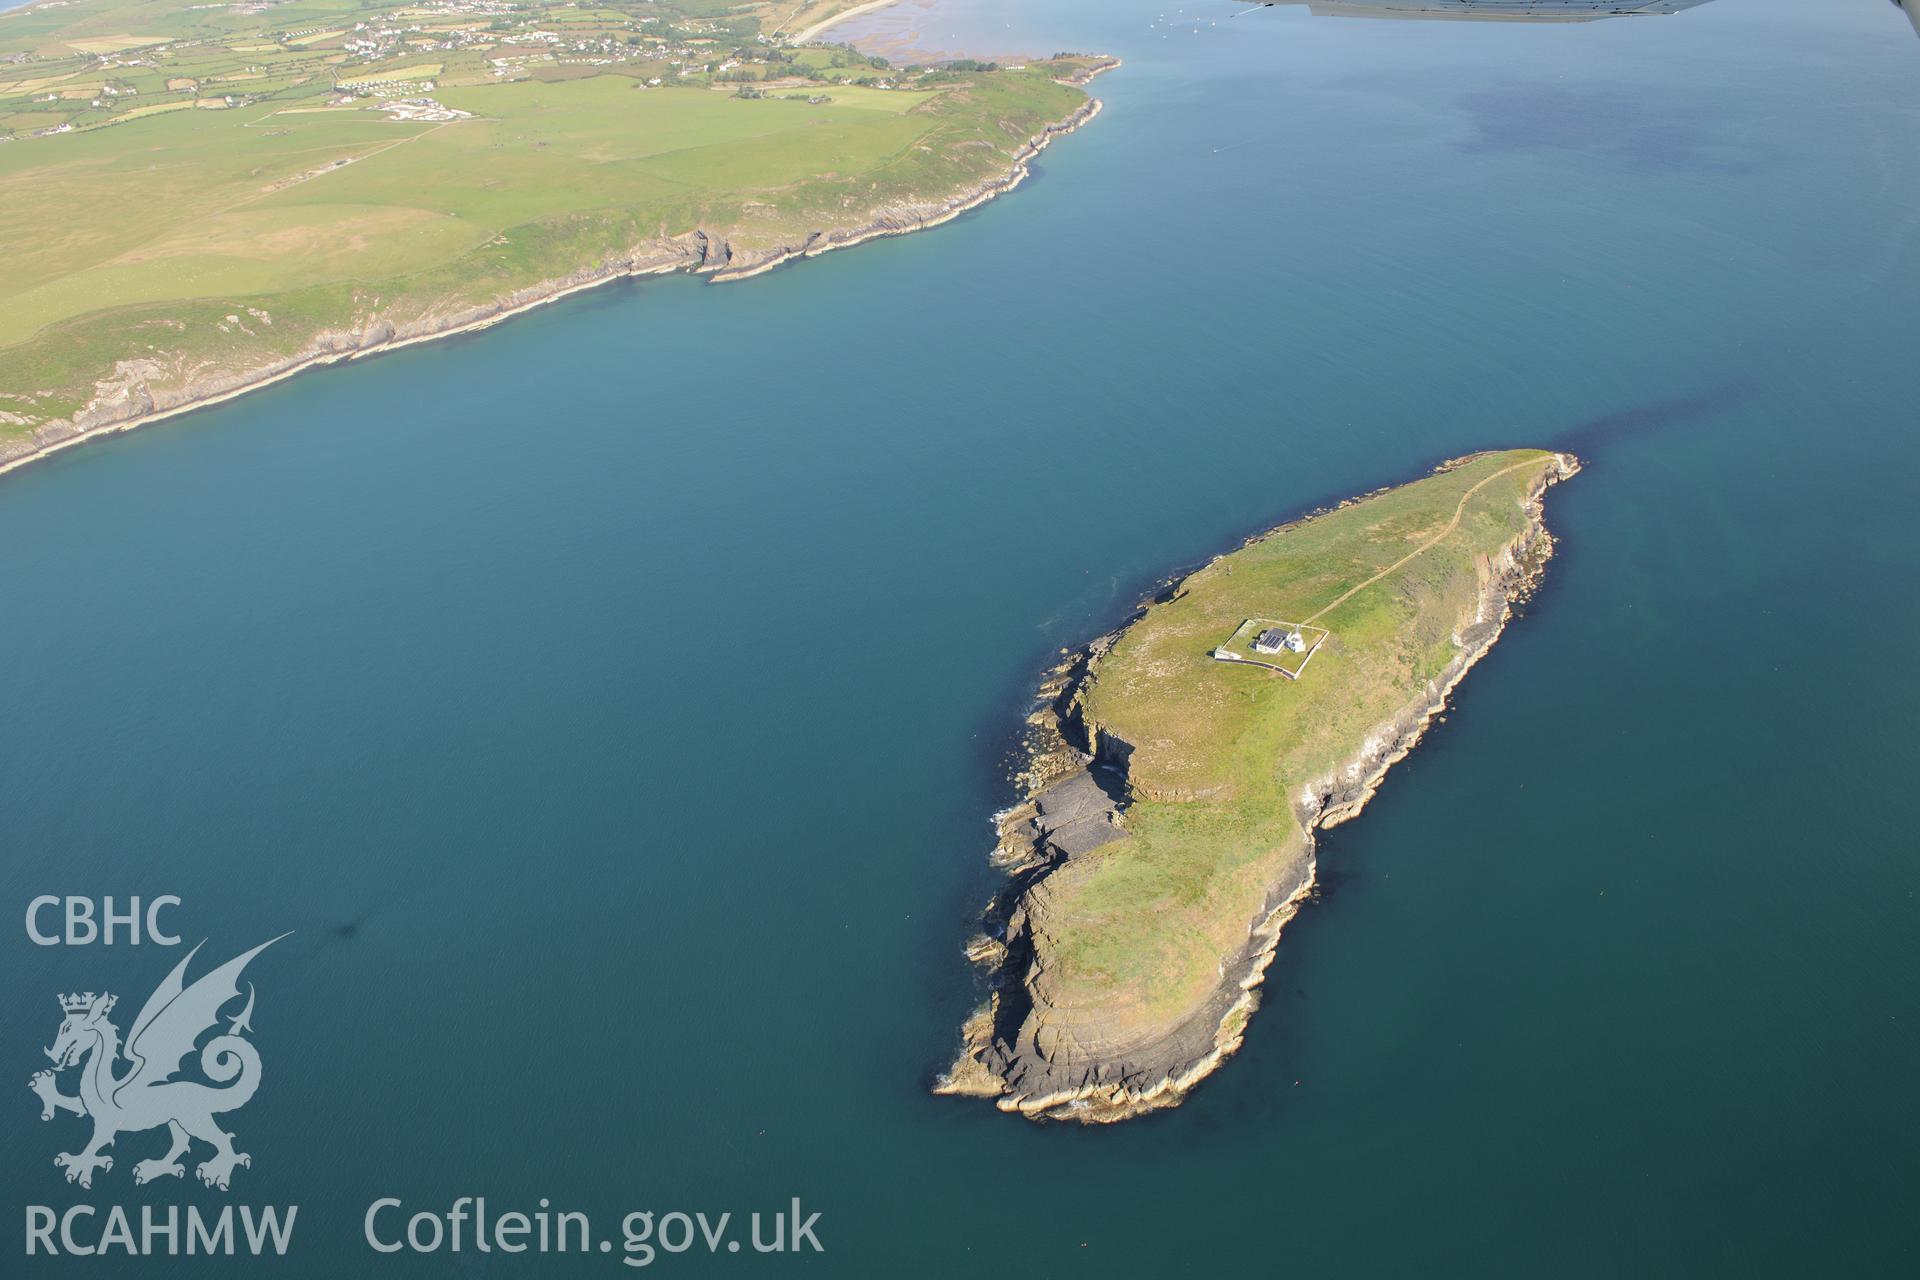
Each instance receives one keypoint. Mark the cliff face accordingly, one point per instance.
(152, 387)
(155, 386)
(1041, 1046)
(895, 219)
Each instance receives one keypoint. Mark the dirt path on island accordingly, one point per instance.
(1424, 547)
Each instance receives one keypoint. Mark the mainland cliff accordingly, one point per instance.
(185, 356)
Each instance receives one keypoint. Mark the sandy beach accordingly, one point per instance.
(815, 31)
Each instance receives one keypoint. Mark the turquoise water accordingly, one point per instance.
(436, 660)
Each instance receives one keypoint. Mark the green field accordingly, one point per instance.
(1138, 931)
(247, 187)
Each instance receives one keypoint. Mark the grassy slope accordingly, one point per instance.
(1223, 751)
(180, 205)
(143, 237)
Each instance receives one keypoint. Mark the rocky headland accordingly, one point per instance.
(1065, 1037)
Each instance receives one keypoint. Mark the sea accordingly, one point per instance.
(611, 705)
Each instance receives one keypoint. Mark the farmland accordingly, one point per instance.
(226, 187)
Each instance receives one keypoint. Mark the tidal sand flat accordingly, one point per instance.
(1181, 766)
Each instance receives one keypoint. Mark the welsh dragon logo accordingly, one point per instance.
(146, 1095)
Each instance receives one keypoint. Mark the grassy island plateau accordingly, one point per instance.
(204, 198)
(1175, 783)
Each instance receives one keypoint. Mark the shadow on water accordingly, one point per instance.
(1587, 438)
(1611, 123)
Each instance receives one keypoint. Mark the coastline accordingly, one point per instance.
(118, 407)
(813, 32)
(1195, 1048)
(827, 242)
(318, 359)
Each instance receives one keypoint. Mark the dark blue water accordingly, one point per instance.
(614, 701)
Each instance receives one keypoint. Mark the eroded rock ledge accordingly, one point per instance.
(1076, 793)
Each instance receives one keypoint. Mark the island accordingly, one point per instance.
(204, 198)
(1180, 767)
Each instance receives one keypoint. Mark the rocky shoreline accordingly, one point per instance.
(1000, 1057)
(903, 219)
(145, 390)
